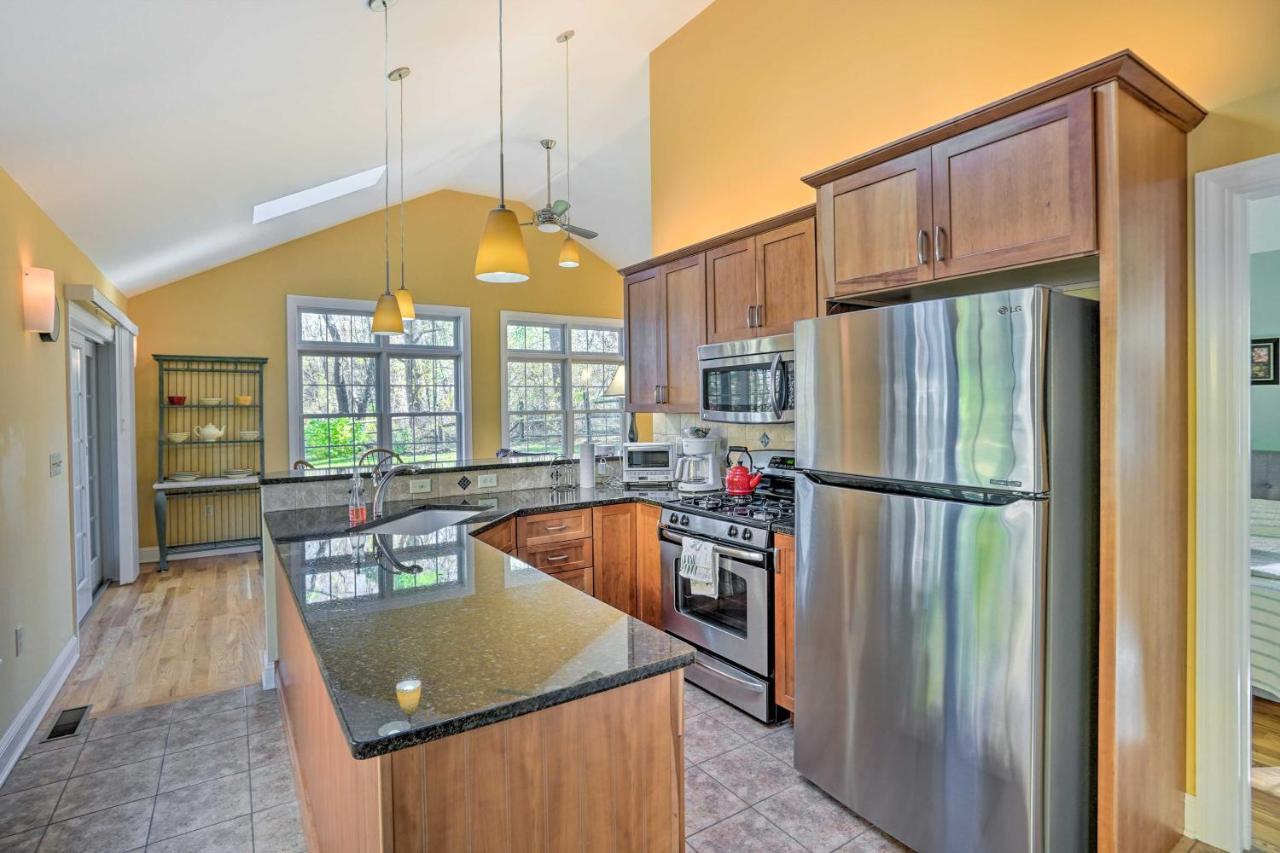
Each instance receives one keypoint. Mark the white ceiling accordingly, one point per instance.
(148, 130)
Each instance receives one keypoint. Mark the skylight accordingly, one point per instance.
(317, 195)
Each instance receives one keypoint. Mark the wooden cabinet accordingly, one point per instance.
(580, 578)
(558, 556)
(1015, 191)
(731, 291)
(648, 565)
(784, 621)
(553, 527)
(501, 536)
(760, 285)
(614, 535)
(665, 325)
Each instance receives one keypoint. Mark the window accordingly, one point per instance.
(350, 390)
(556, 369)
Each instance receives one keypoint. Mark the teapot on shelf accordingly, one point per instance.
(209, 432)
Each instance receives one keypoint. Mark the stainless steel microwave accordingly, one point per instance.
(649, 462)
(748, 382)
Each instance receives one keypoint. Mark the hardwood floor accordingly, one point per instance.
(1265, 776)
(193, 630)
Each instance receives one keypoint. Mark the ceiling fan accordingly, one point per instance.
(551, 218)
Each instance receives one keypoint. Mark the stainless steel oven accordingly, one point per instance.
(749, 381)
(731, 631)
(649, 462)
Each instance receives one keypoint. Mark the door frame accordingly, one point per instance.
(1220, 813)
(93, 332)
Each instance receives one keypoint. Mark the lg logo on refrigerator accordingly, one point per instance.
(1010, 309)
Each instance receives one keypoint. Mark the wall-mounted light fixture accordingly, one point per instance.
(40, 303)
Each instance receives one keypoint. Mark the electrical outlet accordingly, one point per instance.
(55, 464)
(17, 641)
(419, 485)
(486, 481)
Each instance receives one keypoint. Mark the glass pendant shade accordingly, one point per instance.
(501, 258)
(386, 316)
(405, 300)
(569, 257)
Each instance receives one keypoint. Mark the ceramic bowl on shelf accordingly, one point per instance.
(244, 400)
(210, 401)
(178, 437)
(177, 400)
(249, 434)
(184, 476)
(237, 473)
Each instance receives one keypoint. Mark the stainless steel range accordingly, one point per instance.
(733, 630)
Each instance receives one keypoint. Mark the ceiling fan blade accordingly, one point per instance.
(584, 233)
(559, 207)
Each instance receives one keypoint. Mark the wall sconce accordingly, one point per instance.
(40, 303)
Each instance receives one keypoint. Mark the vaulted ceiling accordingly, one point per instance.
(148, 130)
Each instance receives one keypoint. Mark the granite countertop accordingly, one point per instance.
(488, 636)
(309, 475)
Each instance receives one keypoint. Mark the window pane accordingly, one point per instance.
(536, 433)
(424, 385)
(339, 384)
(535, 338)
(428, 332)
(597, 340)
(425, 438)
(590, 379)
(335, 327)
(330, 442)
(534, 386)
(603, 429)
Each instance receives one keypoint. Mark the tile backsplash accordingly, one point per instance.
(751, 436)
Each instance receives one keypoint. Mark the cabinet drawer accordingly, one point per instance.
(558, 556)
(553, 527)
(583, 579)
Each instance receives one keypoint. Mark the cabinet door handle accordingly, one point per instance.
(759, 316)
(922, 247)
(552, 528)
(939, 241)
(557, 558)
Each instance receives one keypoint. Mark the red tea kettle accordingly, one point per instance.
(738, 479)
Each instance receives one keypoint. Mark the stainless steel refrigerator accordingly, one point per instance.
(947, 568)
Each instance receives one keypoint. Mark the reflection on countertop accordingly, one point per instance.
(488, 636)
(308, 475)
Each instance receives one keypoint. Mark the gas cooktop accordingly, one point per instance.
(755, 507)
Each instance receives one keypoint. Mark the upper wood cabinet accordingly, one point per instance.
(1015, 191)
(731, 291)
(665, 325)
(786, 277)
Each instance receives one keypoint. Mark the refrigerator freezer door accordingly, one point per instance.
(948, 392)
(919, 640)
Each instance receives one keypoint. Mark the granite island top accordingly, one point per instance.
(311, 475)
(488, 636)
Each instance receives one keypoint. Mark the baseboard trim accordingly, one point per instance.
(151, 553)
(19, 733)
(1191, 816)
(268, 672)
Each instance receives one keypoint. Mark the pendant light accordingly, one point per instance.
(569, 255)
(501, 257)
(404, 299)
(386, 315)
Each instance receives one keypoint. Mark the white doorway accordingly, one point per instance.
(85, 368)
(1227, 203)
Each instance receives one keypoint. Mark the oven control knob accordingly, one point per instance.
(746, 534)
(733, 531)
(684, 519)
(674, 519)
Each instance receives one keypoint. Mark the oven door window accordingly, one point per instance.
(658, 458)
(746, 388)
(728, 611)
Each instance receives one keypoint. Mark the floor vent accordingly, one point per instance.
(68, 723)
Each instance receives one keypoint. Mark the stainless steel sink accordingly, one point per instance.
(422, 521)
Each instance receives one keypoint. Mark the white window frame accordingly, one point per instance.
(295, 304)
(566, 358)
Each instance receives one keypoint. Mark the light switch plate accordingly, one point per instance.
(55, 464)
(419, 485)
(487, 481)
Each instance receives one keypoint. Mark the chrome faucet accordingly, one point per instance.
(383, 481)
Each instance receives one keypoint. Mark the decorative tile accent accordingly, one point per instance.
(765, 440)
(809, 816)
(464, 483)
(120, 828)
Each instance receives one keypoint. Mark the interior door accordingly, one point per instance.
(731, 291)
(918, 644)
(86, 505)
(786, 277)
(645, 352)
(1016, 191)
(684, 330)
(874, 226)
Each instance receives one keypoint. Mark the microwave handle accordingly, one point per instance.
(775, 386)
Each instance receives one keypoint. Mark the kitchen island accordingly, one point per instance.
(546, 720)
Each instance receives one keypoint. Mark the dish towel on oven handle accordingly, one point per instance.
(698, 564)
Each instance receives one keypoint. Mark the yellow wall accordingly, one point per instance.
(35, 509)
(750, 95)
(239, 309)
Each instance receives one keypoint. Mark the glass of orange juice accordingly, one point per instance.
(409, 695)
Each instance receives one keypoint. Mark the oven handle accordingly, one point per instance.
(735, 553)
(704, 662)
